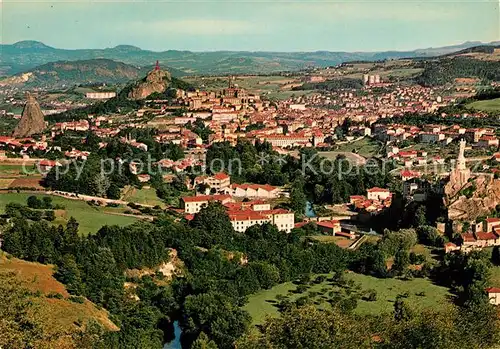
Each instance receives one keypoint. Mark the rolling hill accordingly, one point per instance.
(69, 73)
(25, 55)
(43, 306)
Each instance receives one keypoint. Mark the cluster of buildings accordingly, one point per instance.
(375, 201)
(241, 214)
(436, 134)
(483, 234)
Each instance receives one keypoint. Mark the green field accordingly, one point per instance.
(14, 169)
(365, 147)
(146, 196)
(495, 276)
(490, 105)
(261, 304)
(90, 218)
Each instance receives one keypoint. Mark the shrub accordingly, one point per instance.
(77, 299)
(370, 296)
(55, 295)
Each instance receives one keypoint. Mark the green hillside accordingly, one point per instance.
(82, 72)
(26, 55)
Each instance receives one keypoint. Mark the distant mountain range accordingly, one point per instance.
(25, 55)
(69, 73)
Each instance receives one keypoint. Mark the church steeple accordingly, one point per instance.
(461, 157)
(157, 66)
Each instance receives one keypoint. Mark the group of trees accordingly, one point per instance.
(321, 180)
(206, 300)
(221, 268)
(309, 328)
(107, 170)
(443, 71)
(424, 119)
(35, 209)
(92, 177)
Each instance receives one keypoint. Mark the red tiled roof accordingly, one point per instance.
(357, 197)
(246, 216)
(245, 186)
(493, 290)
(340, 233)
(492, 220)
(300, 224)
(485, 236)
(468, 237)
(47, 163)
(200, 198)
(408, 173)
(377, 189)
(329, 224)
(221, 176)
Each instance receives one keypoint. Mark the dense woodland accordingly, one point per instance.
(443, 71)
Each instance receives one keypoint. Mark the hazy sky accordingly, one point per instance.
(251, 25)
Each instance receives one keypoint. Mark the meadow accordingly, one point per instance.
(60, 311)
(145, 196)
(90, 218)
(491, 105)
(420, 294)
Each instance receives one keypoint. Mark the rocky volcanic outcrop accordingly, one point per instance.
(32, 121)
(156, 81)
(485, 197)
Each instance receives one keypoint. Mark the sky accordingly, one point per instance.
(158, 25)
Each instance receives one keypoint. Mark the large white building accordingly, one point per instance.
(263, 191)
(379, 194)
(218, 181)
(241, 220)
(193, 204)
(100, 95)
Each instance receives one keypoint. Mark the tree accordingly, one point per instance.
(401, 261)
(309, 328)
(203, 342)
(68, 273)
(214, 222)
(401, 310)
(297, 197)
(217, 316)
(430, 236)
(113, 191)
(420, 217)
(47, 202)
(495, 255)
(33, 202)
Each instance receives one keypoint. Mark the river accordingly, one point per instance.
(309, 210)
(175, 343)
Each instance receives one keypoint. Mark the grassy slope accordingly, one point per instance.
(487, 105)
(91, 219)
(365, 147)
(387, 289)
(61, 313)
(142, 196)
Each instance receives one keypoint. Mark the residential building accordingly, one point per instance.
(264, 191)
(494, 295)
(379, 194)
(193, 204)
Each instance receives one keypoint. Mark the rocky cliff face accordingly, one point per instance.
(484, 199)
(32, 121)
(156, 81)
